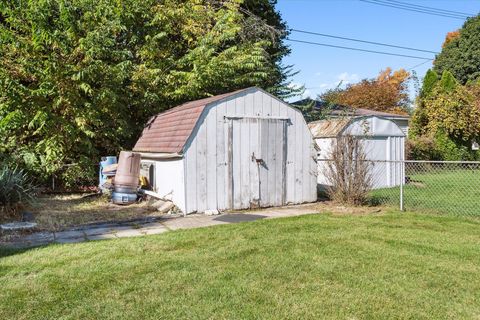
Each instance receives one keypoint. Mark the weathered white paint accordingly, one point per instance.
(218, 169)
(169, 180)
(220, 172)
(382, 140)
(403, 124)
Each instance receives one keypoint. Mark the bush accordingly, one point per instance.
(348, 174)
(422, 148)
(16, 189)
(453, 150)
(441, 147)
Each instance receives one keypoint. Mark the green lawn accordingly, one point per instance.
(454, 192)
(389, 266)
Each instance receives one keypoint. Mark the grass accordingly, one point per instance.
(62, 211)
(395, 265)
(452, 192)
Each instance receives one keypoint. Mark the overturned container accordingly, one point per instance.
(126, 178)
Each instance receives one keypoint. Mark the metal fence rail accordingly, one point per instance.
(451, 187)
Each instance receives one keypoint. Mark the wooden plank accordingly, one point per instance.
(299, 157)
(240, 104)
(249, 107)
(264, 154)
(201, 167)
(245, 159)
(284, 162)
(221, 158)
(211, 159)
(253, 166)
(258, 103)
(230, 165)
(190, 159)
(267, 105)
(236, 168)
(277, 158)
(275, 107)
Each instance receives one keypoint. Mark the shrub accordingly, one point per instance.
(422, 148)
(451, 150)
(16, 189)
(348, 172)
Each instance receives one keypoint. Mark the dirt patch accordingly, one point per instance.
(58, 212)
(335, 208)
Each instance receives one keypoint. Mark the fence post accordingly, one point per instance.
(402, 181)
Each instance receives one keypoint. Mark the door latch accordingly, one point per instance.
(257, 160)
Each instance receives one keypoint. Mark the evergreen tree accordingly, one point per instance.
(460, 54)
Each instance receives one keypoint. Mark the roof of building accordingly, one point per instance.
(327, 128)
(341, 111)
(168, 132)
(370, 126)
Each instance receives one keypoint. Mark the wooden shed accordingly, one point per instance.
(382, 139)
(238, 150)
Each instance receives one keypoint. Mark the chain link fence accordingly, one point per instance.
(449, 187)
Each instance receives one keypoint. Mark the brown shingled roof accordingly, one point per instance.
(328, 128)
(168, 132)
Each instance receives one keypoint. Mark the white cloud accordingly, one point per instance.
(295, 85)
(347, 78)
(307, 94)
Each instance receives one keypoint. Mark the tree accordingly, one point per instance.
(460, 52)
(447, 118)
(388, 92)
(419, 121)
(78, 79)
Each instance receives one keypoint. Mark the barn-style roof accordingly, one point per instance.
(346, 111)
(356, 126)
(168, 132)
(328, 128)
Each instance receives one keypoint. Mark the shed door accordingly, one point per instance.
(257, 162)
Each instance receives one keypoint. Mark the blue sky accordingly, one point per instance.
(322, 68)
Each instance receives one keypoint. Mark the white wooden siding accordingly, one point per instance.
(384, 141)
(169, 180)
(206, 153)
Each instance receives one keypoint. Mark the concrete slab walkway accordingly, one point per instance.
(154, 226)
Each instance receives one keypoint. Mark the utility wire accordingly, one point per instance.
(412, 10)
(417, 6)
(363, 41)
(358, 49)
(418, 65)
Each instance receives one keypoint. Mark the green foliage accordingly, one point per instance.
(422, 148)
(310, 112)
(418, 122)
(460, 54)
(448, 81)
(454, 113)
(452, 150)
(78, 79)
(15, 188)
(448, 113)
(429, 82)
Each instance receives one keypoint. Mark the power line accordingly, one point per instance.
(363, 41)
(432, 9)
(418, 65)
(358, 49)
(407, 8)
(413, 10)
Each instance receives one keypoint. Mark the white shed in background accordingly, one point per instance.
(233, 151)
(383, 140)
